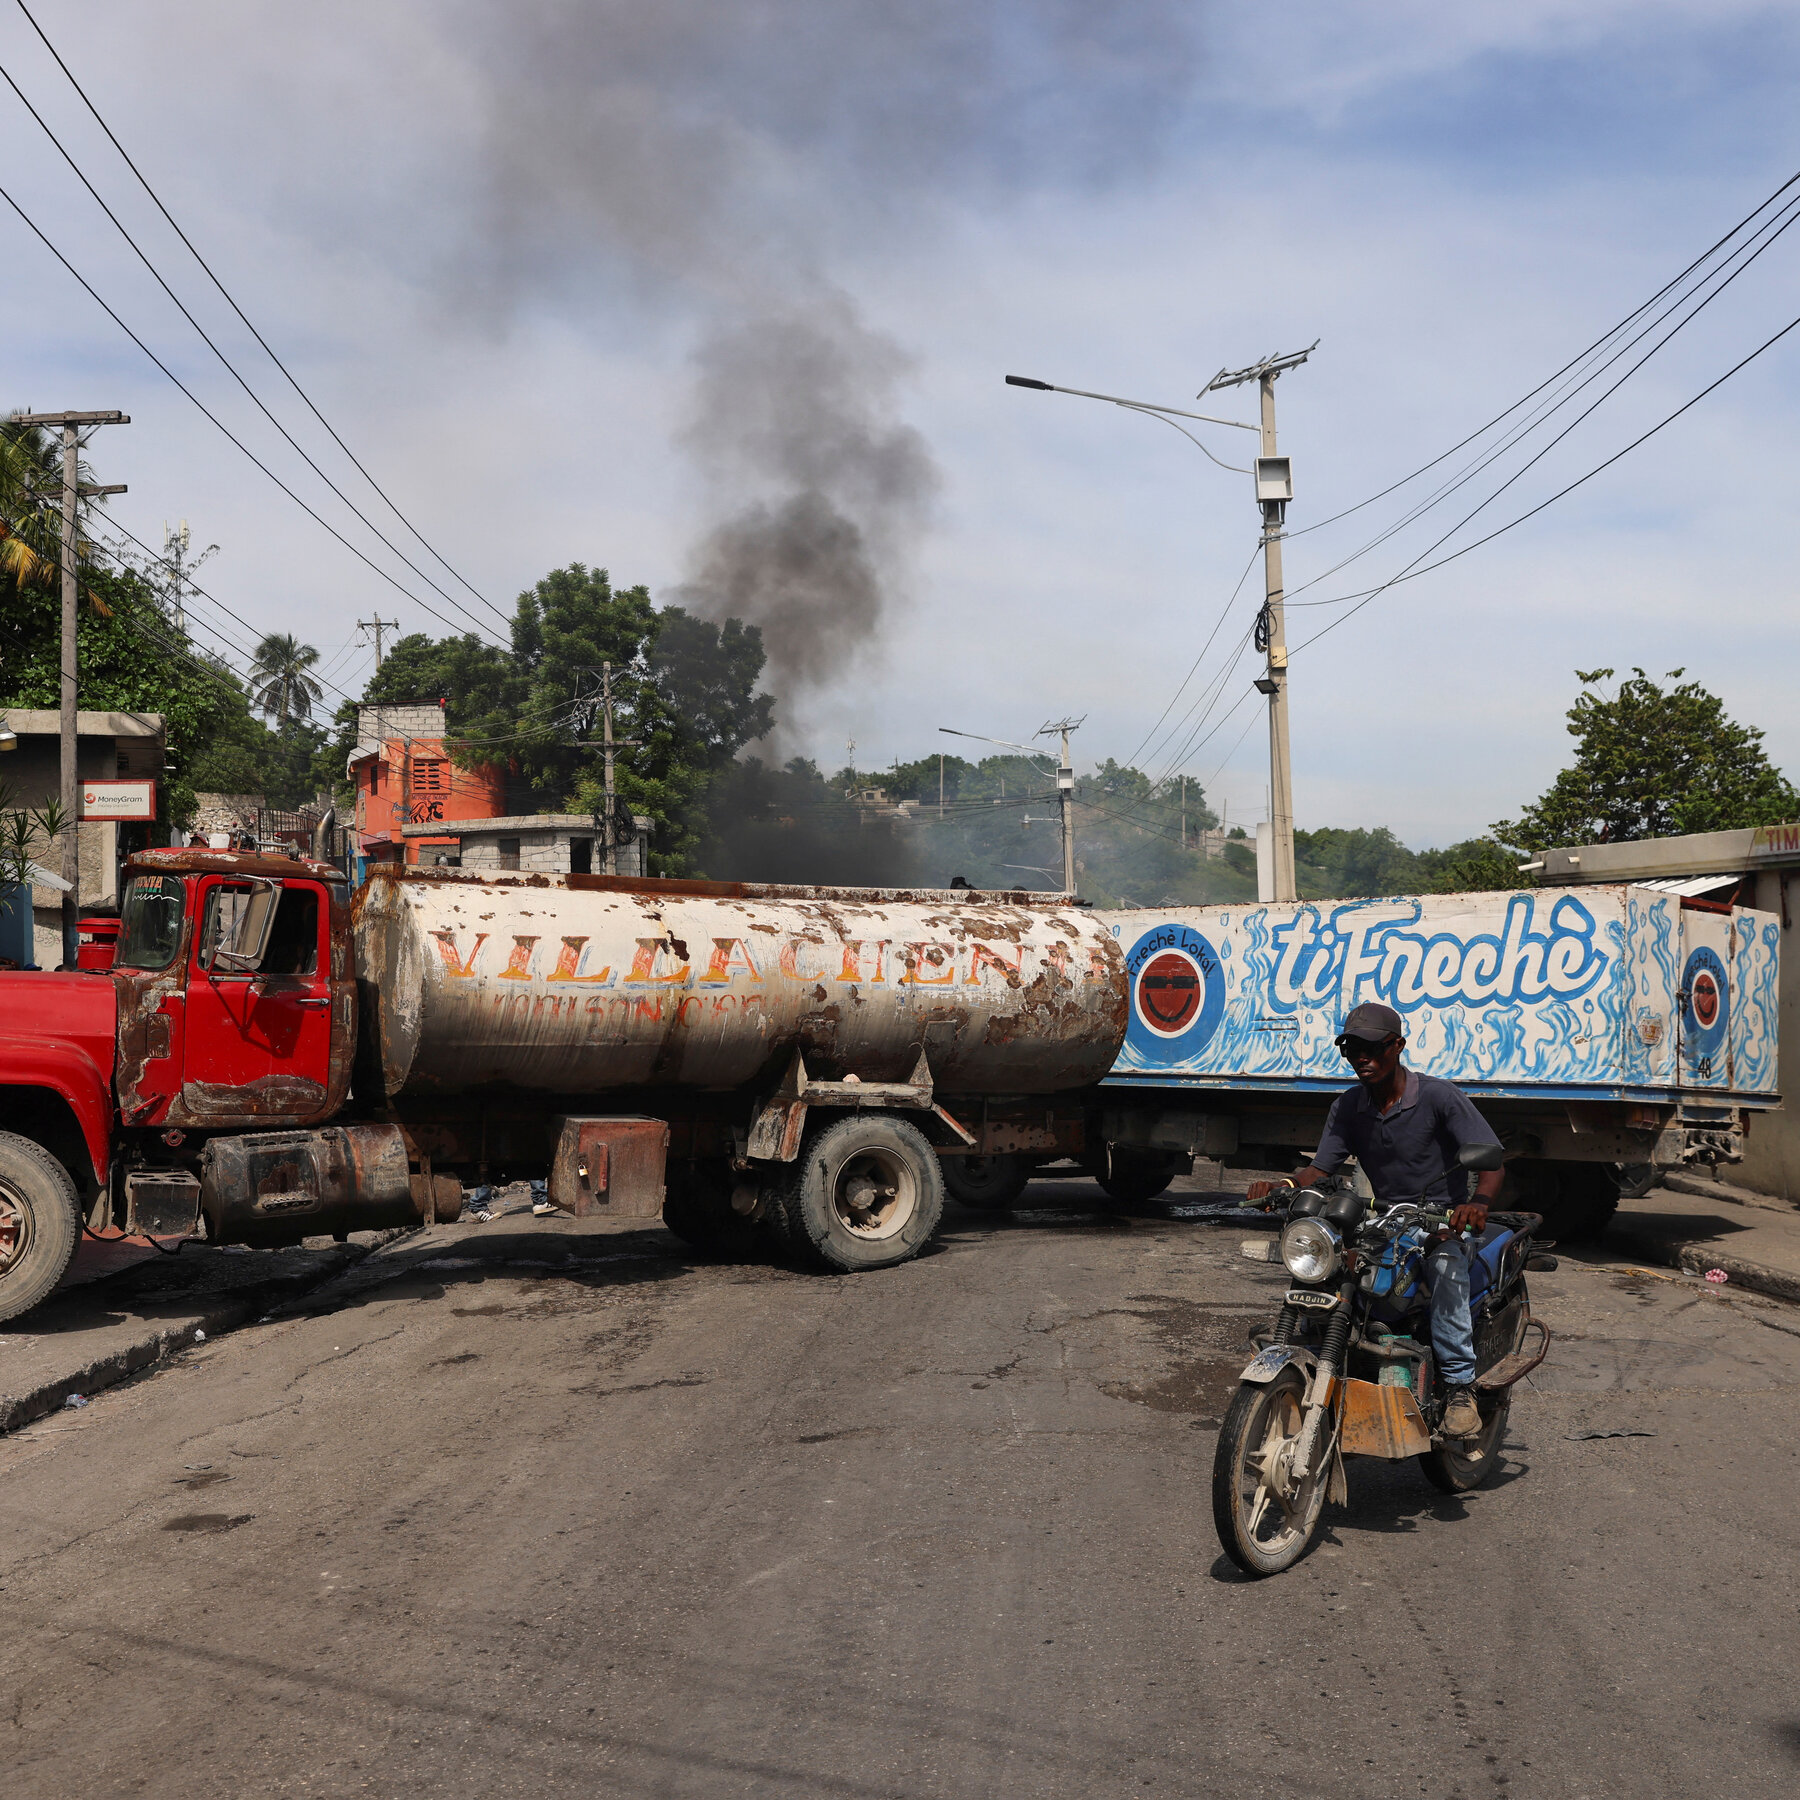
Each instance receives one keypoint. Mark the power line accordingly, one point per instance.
(1704, 257)
(156, 200)
(1488, 458)
(207, 412)
(1410, 573)
(230, 367)
(1189, 676)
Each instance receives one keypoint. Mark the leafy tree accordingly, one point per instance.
(684, 690)
(30, 524)
(279, 680)
(1653, 762)
(919, 780)
(1474, 866)
(1348, 863)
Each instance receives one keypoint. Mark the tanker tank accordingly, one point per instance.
(575, 984)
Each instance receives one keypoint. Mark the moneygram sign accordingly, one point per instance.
(118, 800)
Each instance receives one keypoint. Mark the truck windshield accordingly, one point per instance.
(150, 922)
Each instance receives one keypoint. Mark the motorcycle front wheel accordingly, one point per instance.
(1263, 1527)
(1457, 1465)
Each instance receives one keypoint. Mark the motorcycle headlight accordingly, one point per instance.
(1310, 1250)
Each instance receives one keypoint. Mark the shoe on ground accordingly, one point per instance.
(1462, 1418)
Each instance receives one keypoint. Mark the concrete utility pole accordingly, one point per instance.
(1065, 793)
(377, 625)
(1274, 488)
(70, 785)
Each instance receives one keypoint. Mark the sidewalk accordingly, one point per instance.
(1756, 1241)
(130, 1307)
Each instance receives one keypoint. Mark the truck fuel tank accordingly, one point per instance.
(275, 1187)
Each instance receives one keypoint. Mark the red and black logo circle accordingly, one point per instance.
(1704, 997)
(1169, 992)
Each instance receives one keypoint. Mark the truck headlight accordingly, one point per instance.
(1310, 1250)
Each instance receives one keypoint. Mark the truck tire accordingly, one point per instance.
(985, 1183)
(1133, 1176)
(40, 1223)
(1576, 1199)
(865, 1193)
(697, 1208)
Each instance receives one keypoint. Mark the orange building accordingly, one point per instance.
(404, 776)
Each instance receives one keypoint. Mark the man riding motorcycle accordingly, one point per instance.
(1405, 1130)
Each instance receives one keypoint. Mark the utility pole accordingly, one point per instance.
(70, 784)
(1184, 812)
(377, 625)
(940, 784)
(1065, 793)
(1274, 488)
(609, 828)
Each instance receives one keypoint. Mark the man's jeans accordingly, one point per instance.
(1452, 1330)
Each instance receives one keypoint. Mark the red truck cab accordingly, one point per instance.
(236, 992)
(230, 1003)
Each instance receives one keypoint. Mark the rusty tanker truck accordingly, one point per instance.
(270, 1059)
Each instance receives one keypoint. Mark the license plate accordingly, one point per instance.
(1319, 1302)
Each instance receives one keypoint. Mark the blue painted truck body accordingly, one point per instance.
(1600, 1023)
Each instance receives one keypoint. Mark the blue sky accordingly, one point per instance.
(492, 240)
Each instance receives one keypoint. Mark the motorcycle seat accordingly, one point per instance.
(1485, 1257)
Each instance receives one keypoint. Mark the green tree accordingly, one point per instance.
(280, 683)
(684, 690)
(1652, 762)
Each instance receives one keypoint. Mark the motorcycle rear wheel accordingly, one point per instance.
(1456, 1467)
(1260, 1533)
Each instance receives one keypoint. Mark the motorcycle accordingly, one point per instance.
(1347, 1368)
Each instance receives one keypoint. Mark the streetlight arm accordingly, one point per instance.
(1047, 387)
(1004, 743)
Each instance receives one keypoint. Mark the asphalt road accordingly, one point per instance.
(578, 1515)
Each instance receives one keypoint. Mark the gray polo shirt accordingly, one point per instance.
(1410, 1149)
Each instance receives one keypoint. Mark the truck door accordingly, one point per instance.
(1705, 997)
(258, 1038)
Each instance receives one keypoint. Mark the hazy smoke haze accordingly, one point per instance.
(712, 150)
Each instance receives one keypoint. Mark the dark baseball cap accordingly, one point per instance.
(1374, 1023)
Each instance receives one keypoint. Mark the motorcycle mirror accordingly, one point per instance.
(1481, 1157)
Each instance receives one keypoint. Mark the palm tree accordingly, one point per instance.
(280, 685)
(30, 530)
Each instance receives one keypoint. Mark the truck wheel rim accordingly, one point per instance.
(874, 1194)
(15, 1228)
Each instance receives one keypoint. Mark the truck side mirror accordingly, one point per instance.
(1481, 1157)
(240, 943)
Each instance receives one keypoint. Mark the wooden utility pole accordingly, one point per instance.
(608, 743)
(70, 424)
(378, 625)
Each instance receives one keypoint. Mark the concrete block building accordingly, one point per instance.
(536, 844)
(110, 748)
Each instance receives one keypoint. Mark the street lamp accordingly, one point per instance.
(1274, 479)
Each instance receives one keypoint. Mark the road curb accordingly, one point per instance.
(159, 1341)
(1696, 1259)
(1678, 1181)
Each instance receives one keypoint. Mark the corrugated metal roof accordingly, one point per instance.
(1692, 886)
